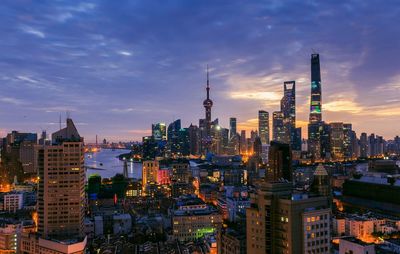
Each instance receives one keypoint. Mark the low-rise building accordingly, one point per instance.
(9, 238)
(193, 219)
(13, 201)
(354, 246)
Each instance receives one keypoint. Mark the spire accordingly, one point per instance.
(208, 85)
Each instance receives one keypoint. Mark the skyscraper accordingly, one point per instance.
(278, 131)
(263, 126)
(279, 221)
(315, 104)
(232, 127)
(315, 126)
(337, 140)
(61, 170)
(243, 141)
(280, 162)
(61, 195)
(194, 139)
(208, 103)
(363, 145)
(158, 131)
(288, 109)
(348, 141)
(173, 136)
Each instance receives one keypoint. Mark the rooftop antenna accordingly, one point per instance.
(60, 121)
(208, 84)
(313, 51)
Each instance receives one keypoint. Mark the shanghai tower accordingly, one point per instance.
(315, 104)
(315, 123)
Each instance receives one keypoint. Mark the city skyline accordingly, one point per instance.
(118, 68)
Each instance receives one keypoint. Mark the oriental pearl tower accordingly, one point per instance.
(208, 103)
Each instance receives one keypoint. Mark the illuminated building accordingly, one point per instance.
(173, 136)
(314, 126)
(288, 109)
(194, 139)
(181, 172)
(349, 137)
(149, 173)
(13, 202)
(337, 141)
(152, 148)
(181, 188)
(61, 171)
(18, 149)
(243, 142)
(158, 131)
(163, 176)
(9, 238)
(208, 103)
(263, 126)
(314, 139)
(193, 219)
(325, 147)
(296, 143)
(355, 246)
(232, 242)
(280, 162)
(363, 145)
(278, 129)
(315, 104)
(321, 182)
(281, 222)
(232, 127)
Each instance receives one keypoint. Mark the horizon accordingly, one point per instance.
(120, 67)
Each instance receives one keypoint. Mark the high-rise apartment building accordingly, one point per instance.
(149, 173)
(280, 162)
(61, 195)
(279, 221)
(263, 126)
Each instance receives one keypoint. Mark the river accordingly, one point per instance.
(108, 164)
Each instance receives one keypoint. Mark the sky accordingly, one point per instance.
(119, 66)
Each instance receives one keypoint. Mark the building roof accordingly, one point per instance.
(320, 171)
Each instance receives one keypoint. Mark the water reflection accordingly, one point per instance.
(106, 164)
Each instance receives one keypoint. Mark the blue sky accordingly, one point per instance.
(118, 66)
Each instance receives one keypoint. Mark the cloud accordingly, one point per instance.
(124, 53)
(342, 106)
(125, 110)
(33, 31)
(139, 131)
(12, 100)
(154, 62)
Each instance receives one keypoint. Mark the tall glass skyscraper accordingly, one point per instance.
(278, 132)
(315, 123)
(288, 108)
(158, 131)
(232, 127)
(263, 126)
(315, 104)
